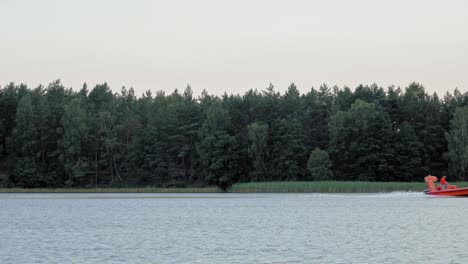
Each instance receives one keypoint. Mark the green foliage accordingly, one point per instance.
(288, 154)
(216, 149)
(3, 137)
(51, 136)
(25, 134)
(359, 143)
(407, 160)
(74, 133)
(319, 165)
(258, 137)
(458, 144)
(25, 174)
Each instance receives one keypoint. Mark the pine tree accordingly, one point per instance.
(217, 149)
(51, 136)
(288, 152)
(74, 133)
(25, 139)
(9, 98)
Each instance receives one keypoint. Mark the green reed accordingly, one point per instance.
(254, 187)
(326, 187)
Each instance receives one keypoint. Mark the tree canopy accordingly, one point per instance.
(52, 136)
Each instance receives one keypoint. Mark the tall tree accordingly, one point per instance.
(100, 134)
(217, 149)
(9, 98)
(288, 154)
(407, 164)
(51, 135)
(359, 143)
(185, 122)
(25, 138)
(258, 138)
(457, 140)
(74, 133)
(316, 116)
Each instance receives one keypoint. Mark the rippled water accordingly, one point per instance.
(232, 228)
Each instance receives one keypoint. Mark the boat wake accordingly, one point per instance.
(398, 194)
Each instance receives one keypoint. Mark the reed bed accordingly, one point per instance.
(255, 187)
(326, 187)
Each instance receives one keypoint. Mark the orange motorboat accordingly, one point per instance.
(451, 190)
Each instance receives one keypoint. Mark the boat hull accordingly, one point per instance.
(450, 192)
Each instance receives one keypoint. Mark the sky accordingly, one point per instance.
(233, 46)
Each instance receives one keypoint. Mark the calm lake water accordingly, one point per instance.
(233, 228)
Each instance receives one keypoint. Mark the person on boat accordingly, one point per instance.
(443, 182)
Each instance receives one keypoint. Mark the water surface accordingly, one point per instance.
(233, 228)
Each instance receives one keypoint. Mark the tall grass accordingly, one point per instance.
(326, 187)
(256, 187)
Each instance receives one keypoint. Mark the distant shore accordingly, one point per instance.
(112, 190)
(253, 187)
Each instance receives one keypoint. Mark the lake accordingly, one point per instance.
(233, 228)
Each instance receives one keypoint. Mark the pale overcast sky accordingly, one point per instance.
(235, 45)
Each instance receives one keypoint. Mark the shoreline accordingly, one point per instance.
(252, 187)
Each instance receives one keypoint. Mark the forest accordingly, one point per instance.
(53, 136)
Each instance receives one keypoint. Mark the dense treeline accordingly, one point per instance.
(53, 136)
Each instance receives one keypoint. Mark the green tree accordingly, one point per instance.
(423, 113)
(74, 133)
(25, 138)
(25, 174)
(407, 162)
(3, 136)
(457, 140)
(217, 149)
(319, 165)
(42, 126)
(110, 146)
(184, 123)
(101, 120)
(288, 154)
(316, 116)
(359, 142)
(51, 109)
(258, 138)
(291, 102)
(128, 131)
(9, 98)
(25, 134)
(51, 135)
